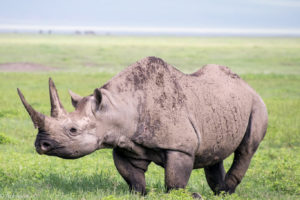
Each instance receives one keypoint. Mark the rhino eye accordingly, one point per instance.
(73, 130)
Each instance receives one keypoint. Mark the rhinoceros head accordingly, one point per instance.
(66, 135)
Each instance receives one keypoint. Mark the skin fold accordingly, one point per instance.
(151, 112)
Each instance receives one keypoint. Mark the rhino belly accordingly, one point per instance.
(214, 154)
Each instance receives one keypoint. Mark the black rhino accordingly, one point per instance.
(151, 112)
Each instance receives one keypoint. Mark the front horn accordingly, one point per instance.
(36, 117)
(57, 108)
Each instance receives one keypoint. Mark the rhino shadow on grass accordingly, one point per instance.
(96, 182)
(152, 112)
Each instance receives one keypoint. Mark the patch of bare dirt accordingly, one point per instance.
(90, 64)
(24, 67)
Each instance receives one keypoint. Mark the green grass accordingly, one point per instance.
(269, 65)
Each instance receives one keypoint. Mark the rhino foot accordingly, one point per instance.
(196, 195)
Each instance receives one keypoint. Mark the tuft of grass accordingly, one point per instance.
(5, 139)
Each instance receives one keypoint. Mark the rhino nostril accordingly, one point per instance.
(45, 146)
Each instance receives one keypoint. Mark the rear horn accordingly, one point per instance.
(57, 108)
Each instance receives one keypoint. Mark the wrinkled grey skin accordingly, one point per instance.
(151, 112)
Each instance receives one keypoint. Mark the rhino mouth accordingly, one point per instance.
(64, 154)
(49, 147)
(47, 150)
(61, 152)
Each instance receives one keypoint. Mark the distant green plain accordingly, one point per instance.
(270, 65)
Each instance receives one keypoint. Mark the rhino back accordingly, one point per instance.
(201, 113)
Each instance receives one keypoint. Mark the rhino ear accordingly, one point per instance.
(75, 98)
(97, 96)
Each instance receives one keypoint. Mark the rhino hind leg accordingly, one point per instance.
(133, 171)
(178, 168)
(215, 176)
(255, 132)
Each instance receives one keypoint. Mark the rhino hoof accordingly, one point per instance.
(196, 195)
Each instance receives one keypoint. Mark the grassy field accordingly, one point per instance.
(82, 63)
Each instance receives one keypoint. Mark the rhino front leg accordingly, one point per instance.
(132, 170)
(178, 168)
